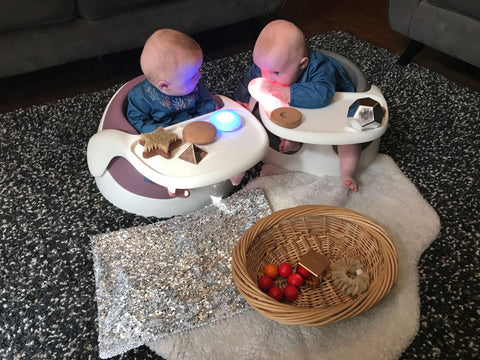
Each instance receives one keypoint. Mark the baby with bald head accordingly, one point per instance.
(281, 53)
(172, 91)
(171, 61)
(300, 78)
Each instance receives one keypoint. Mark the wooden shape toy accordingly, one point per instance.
(314, 262)
(193, 154)
(286, 117)
(199, 132)
(366, 113)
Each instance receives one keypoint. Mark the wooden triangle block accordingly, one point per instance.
(193, 154)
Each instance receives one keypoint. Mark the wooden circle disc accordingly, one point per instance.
(199, 132)
(287, 117)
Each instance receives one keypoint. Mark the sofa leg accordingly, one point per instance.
(412, 49)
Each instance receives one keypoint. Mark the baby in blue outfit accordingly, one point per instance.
(172, 91)
(300, 78)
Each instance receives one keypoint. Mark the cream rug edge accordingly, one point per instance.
(388, 197)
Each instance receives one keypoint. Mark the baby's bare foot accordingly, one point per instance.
(237, 179)
(288, 146)
(350, 183)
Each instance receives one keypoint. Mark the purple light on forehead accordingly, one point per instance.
(226, 120)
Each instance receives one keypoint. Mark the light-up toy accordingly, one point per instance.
(321, 128)
(225, 120)
(138, 185)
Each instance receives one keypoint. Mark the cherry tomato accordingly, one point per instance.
(284, 269)
(265, 282)
(276, 293)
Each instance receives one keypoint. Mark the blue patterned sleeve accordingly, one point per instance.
(139, 113)
(315, 88)
(317, 85)
(242, 93)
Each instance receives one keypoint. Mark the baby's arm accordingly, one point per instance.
(313, 94)
(305, 95)
(140, 113)
(316, 88)
(139, 116)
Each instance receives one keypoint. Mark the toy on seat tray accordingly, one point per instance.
(159, 142)
(139, 185)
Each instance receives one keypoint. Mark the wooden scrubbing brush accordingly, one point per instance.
(348, 276)
(159, 142)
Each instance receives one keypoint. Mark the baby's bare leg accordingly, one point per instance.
(287, 146)
(349, 156)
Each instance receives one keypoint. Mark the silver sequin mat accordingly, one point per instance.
(173, 275)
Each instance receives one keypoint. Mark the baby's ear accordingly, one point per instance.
(163, 85)
(303, 63)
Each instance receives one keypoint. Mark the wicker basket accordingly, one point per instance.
(286, 235)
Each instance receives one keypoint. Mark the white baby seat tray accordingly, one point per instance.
(139, 185)
(324, 127)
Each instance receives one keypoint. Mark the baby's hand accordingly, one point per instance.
(280, 92)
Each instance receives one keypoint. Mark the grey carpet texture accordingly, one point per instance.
(50, 207)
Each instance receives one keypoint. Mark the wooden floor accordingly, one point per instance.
(366, 19)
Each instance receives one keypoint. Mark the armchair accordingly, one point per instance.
(450, 26)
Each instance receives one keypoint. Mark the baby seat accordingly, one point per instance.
(139, 185)
(322, 128)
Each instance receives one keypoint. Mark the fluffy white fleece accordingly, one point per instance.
(382, 332)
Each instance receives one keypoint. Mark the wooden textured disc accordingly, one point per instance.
(199, 132)
(286, 117)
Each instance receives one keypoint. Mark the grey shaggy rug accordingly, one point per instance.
(50, 206)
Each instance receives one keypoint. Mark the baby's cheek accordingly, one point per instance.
(193, 85)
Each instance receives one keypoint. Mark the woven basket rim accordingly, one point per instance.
(290, 314)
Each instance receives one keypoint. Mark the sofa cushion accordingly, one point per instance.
(18, 14)
(94, 9)
(467, 7)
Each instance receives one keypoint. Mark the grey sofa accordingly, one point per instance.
(450, 26)
(38, 34)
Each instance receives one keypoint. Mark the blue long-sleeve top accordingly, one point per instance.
(149, 108)
(314, 88)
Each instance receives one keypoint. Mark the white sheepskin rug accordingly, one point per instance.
(382, 332)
